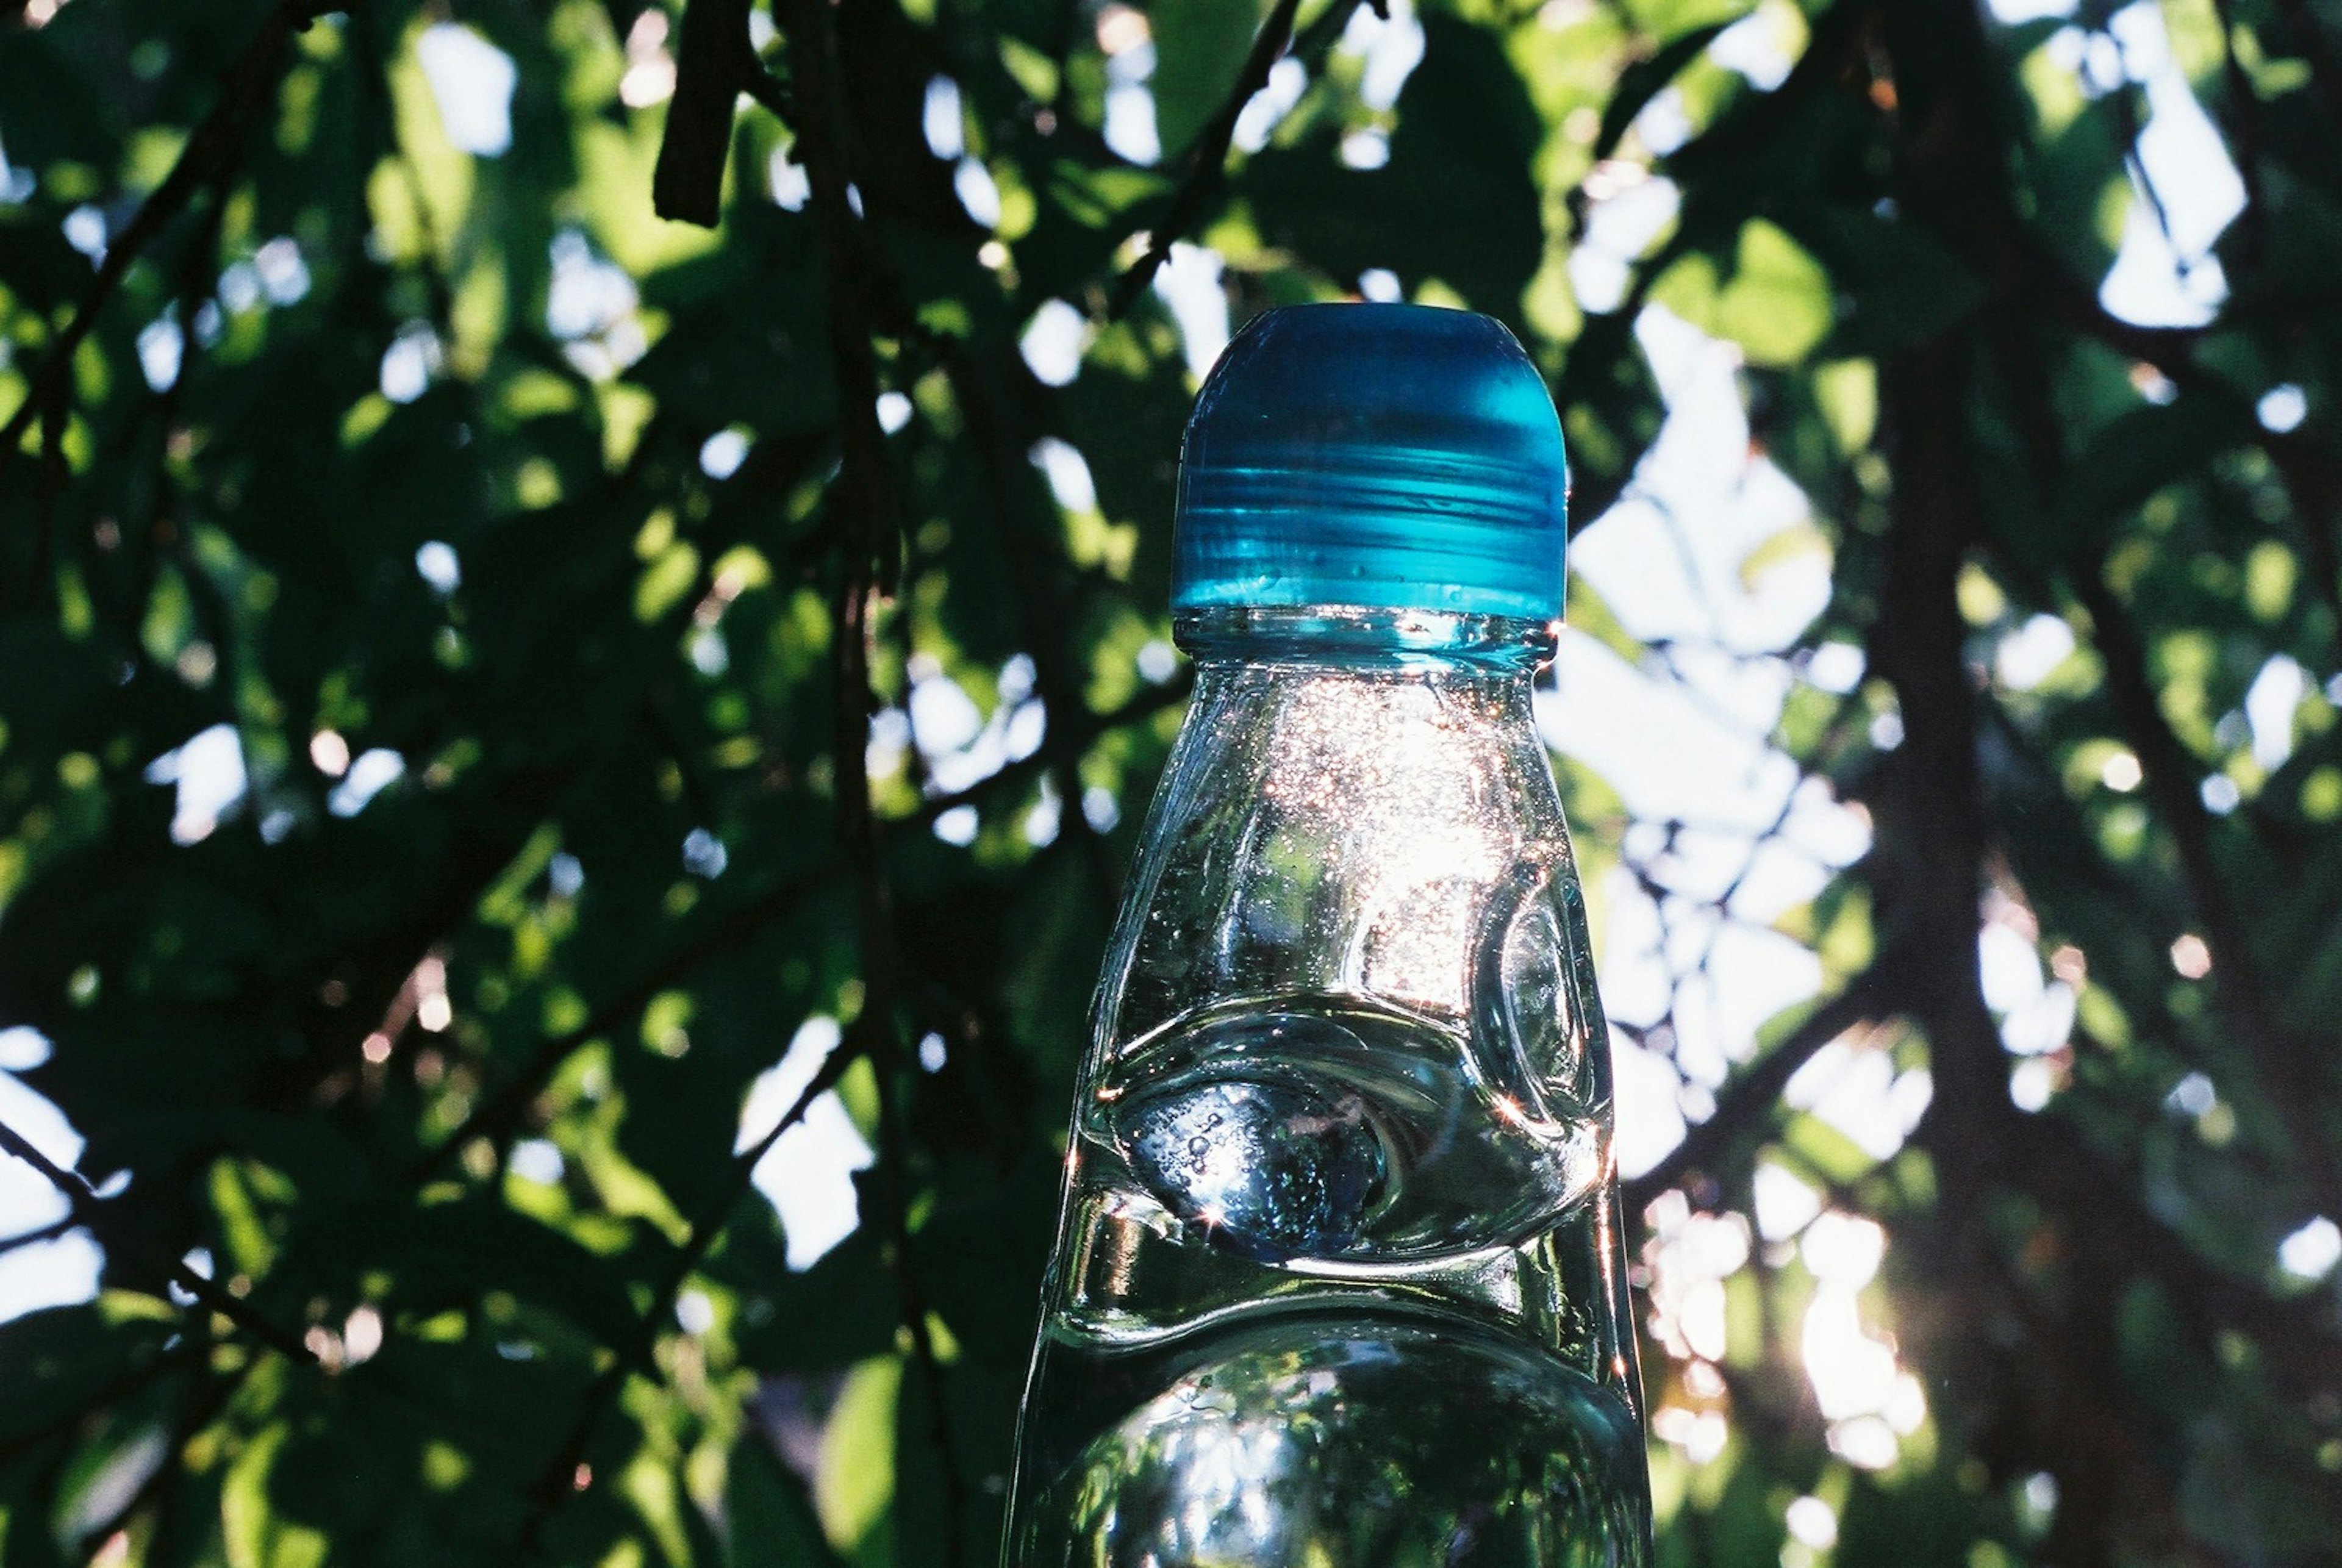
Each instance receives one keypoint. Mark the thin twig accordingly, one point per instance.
(70, 1183)
(2288, 1070)
(2124, 105)
(1207, 169)
(854, 704)
(1145, 704)
(47, 1233)
(1045, 621)
(558, 1479)
(895, 1145)
(502, 1111)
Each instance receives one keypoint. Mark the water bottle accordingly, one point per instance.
(1339, 1280)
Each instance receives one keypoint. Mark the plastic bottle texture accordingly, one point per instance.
(1339, 1281)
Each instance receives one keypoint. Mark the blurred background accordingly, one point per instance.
(583, 645)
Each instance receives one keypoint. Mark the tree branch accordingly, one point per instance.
(715, 64)
(1932, 830)
(1744, 1115)
(1044, 621)
(1952, 143)
(863, 496)
(86, 1210)
(2069, 1177)
(864, 492)
(72, 1183)
(2290, 1077)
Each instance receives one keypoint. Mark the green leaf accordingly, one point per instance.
(1775, 302)
(1455, 203)
(255, 1535)
(57, 1361)
(1645, 78)
(1199, 48)
(856, 1482)
(769, 1518)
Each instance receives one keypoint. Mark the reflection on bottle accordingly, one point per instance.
(1355, 1442)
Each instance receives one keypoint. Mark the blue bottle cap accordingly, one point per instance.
(1393, 456)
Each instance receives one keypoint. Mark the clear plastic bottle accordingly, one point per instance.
(1338, 1280)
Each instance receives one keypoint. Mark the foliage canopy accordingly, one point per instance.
(438, 594)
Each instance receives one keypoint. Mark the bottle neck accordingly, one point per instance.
(1351, 793)
(1365, 639)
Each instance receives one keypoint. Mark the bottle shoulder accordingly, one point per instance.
(1338, 830)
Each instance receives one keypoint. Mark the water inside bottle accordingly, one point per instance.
(1318, 1309)
(1350, 1440)
(1337, 1129)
